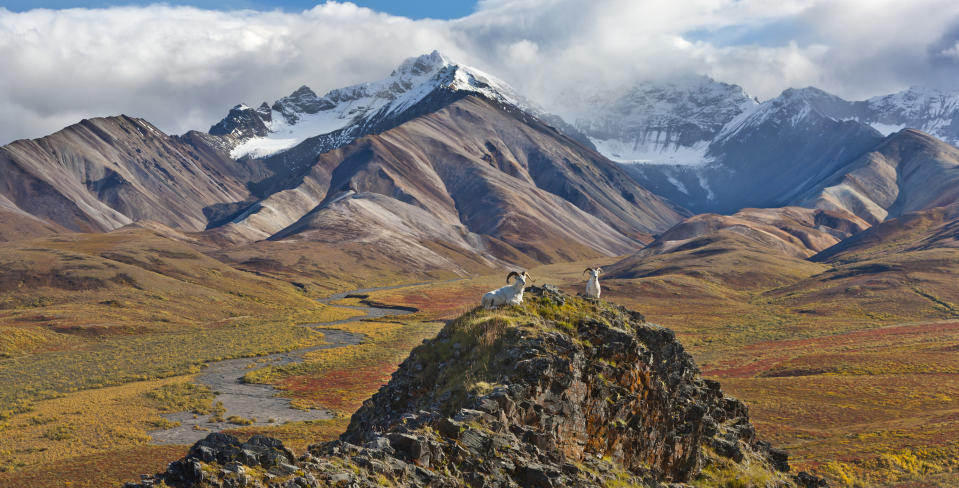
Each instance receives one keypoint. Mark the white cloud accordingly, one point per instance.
(952, 51)
(182, 68)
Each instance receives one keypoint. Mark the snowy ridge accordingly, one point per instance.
(927, 109)
(657, 123)
(303, 114)
(789, 108)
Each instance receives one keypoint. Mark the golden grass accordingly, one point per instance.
(298, 435)
(118, 360)
(84, 422)
(181, 397)
(96, 470)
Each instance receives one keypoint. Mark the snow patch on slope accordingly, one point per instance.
(886, 129)
(654, 152)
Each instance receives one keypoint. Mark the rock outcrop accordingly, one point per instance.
(560, 391)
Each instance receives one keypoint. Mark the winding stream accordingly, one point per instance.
(252, 401)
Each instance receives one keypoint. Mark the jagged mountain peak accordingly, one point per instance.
(807, 93)
(424, 64)
(794, 107)
(353, 111)
(929, 109)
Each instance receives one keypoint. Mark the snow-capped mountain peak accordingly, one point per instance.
(656, 122)
(792, 108)
(352, 111)
(928, 109)
(422, 65)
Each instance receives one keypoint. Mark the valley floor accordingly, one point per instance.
(862, 394)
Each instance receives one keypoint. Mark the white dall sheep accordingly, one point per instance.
(592, 285)
(511, 294)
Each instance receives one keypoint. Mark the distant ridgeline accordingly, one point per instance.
(560, 391)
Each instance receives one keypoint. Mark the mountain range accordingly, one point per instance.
(709, 147)
(439, 161)
(436, 158)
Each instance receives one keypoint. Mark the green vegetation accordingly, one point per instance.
(937, 465)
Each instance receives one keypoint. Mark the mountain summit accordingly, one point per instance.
(355, 110)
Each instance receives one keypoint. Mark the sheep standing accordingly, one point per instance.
(592, 284)
(511, 294)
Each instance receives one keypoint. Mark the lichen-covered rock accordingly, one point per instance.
(560, 391)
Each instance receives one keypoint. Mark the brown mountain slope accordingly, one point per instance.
(794, 231)
(475, 176)
(103, 173)
(908, 171)
(935, 228)
(16, 224)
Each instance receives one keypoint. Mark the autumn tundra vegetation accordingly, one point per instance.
(848, 371)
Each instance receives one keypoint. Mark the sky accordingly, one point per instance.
(414, 9)
(183, 64)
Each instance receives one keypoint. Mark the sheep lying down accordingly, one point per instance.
(511, 294)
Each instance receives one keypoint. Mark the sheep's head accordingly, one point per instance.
(521, 278)
(593, 272)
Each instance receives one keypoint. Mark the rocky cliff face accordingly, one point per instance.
(560, 391)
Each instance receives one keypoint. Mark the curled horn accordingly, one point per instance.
(587, 270)
(510, 275)
(529, 276)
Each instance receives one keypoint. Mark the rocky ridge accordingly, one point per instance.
(560, 391)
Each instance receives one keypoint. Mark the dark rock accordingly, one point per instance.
(536, 475)
(728, 449)
(806, 480)
(777, 457)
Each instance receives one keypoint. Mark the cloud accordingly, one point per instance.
(182, 68)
